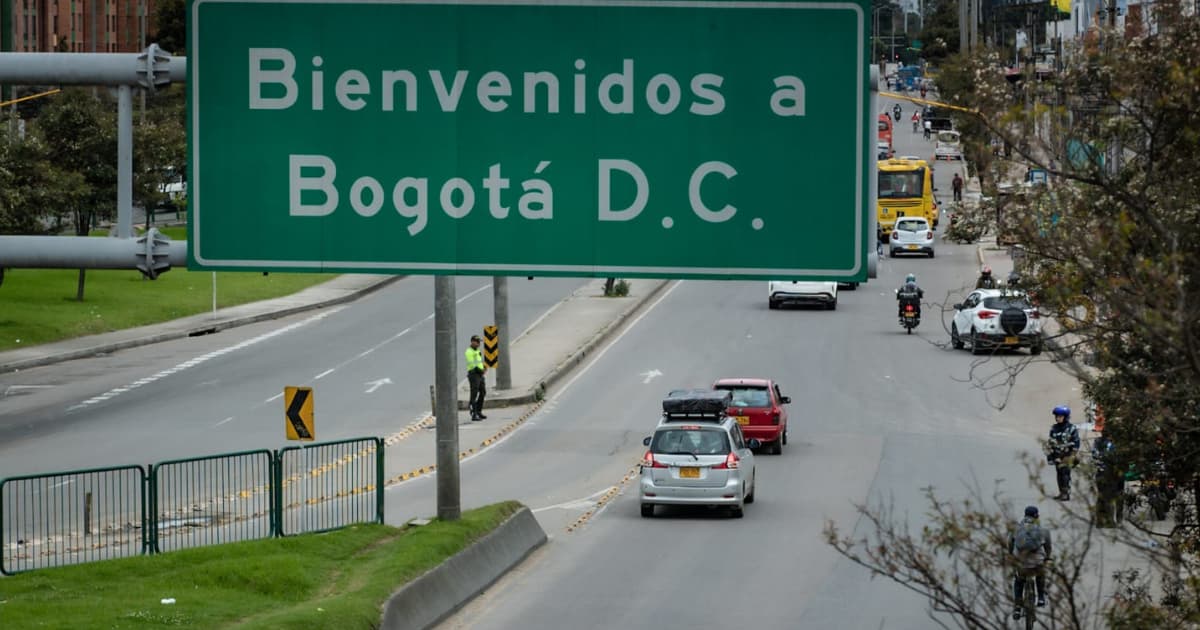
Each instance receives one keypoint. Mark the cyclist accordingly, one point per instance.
(1029, 544)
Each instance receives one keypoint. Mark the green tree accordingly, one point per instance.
(81, 137)
(34, 192)
(170, 25)
(939, 33)
(160, 154)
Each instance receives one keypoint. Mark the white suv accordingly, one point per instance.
(996, 318)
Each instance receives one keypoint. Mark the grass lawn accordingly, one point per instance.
(38, 305)
(335, 580)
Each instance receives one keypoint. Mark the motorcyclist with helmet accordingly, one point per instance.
(1061, 449)
(986, 279)
(896, 110)
(910, 293)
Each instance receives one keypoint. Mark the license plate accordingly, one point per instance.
(742, 419)
(910, 247)
(690, 472)
(910, 314)
(1011, 340)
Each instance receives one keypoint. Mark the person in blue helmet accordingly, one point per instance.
(1061, 449)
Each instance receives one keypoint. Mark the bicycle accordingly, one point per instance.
(1029, 599)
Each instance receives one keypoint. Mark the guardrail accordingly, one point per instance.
(62, 518)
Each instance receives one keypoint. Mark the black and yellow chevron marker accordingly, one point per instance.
(491, 346)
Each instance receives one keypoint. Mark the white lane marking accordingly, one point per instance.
(398, 335)
(650, 376)
(322, 374)
(12, 388)
(539, 320)
(190, 363)
(275, 397)
(577, 504)
(374, 385)
(223, 421)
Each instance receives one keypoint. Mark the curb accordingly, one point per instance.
(442, 590)
(206, 328)
(538, 391)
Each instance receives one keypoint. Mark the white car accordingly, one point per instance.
(911, 235)
(996, 318)
(780, 292)
(948, 146)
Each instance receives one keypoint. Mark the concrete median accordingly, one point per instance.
(433, 596)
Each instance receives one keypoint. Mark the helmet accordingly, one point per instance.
(987, 271)
(910, 278)
(1062, 410)
(1031, 511)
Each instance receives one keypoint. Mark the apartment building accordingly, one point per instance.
(73, 25)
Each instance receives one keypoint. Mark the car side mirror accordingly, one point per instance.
(958, 307)
(753, 443)
(785, 400)
(646, 441)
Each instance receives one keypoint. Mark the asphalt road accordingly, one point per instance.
(876, 416)
(370, 363)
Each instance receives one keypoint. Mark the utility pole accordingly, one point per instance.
(500, 311)
(449, 490)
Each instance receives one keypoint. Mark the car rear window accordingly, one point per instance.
(1005, 301)
(748, 396)
(689, 441)
(912, 226)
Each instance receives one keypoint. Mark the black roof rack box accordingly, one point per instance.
(697, 401)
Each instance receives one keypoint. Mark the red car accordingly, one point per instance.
(758, 406)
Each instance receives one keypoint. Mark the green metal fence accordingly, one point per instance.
(211, 500)
(330, 485)
(70, 517)
(62, 518)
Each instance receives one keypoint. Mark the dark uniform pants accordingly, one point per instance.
(478, 391)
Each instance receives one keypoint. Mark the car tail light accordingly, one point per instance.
(929, 234)
(731, 462)
(986, 314)
(895, 235)
(775, 418)
(908, 307)
(648, 461)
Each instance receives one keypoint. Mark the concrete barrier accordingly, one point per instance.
(432, 597)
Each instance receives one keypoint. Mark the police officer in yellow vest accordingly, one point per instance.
(475, 371)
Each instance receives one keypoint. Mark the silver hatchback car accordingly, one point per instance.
(697, 455)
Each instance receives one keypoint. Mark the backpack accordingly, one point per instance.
(1028, 537)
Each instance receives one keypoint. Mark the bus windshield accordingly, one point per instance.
(901, 184)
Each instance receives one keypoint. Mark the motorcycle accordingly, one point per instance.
(909, 318)
(896, 113)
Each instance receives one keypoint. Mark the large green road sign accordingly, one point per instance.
(605, 138)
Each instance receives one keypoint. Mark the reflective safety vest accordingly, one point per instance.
(474, 359)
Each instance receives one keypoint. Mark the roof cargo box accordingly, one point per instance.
(697, 401)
